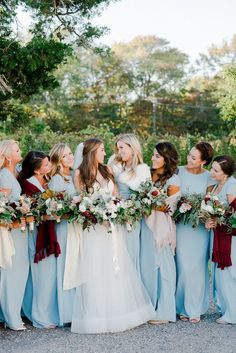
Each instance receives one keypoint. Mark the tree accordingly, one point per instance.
(217, 57)
(93, 89)
(157, 67)
(28, 68)
(226, 95)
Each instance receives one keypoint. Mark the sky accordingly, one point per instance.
(190, 25)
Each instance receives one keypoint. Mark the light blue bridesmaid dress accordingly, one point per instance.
(192, 254)
(158, 270)
(65, 298)
(125, 185)
(40, 301)
(224, 281)
(13, 280)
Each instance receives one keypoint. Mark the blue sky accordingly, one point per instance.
(191, 26)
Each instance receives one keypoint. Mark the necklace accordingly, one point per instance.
(219, 186)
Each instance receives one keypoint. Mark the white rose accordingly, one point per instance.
(82, 208)
(207, 208)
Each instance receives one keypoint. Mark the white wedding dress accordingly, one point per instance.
(111, 297)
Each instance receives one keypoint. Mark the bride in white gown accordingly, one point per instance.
(111, 297)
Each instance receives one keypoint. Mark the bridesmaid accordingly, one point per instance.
(224, 267)
(61, 180)
(192, 250)
(13, 280)
(129, 171)
(40, 302)
(158, 237)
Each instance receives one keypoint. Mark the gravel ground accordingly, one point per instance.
(205, 337)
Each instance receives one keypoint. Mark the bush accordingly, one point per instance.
(40, 137)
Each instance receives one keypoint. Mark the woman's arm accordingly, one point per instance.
(172, 189)
(231, 198)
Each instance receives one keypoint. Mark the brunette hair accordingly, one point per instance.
(88, 168)
(168, 151)
(227, 164)
(206, 151)
(31, 162)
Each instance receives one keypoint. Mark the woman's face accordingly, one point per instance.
(194, 159)
(124, 151)
(15, 154)
(216, 172)
(67, 158)
(100, 154)
(45, 167)
(158, 161)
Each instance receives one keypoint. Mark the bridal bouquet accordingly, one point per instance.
(129, 212)
(150, 197)
(104, 206)
(187, 210)
(53, 204)
(89, 210)
(6, 211)
(212, 208)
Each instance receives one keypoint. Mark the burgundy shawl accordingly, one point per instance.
(46, 242)
(222, 244)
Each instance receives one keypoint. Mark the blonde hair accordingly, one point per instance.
(5, 151)
(137, 157)
(56, 155)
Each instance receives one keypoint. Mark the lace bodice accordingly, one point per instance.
(107, 187)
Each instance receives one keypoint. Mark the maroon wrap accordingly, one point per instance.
(46, 242)
(221, 253)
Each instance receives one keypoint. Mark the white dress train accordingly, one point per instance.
(112, 297)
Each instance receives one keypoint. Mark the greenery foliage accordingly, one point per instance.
(53, 83)
(41, 137)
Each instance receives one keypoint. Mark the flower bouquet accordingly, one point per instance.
(74, 212)
(212, 208)
(53, 204)
(150, 197)
(6, 211)
(187, 210)
(25, 208)
(230, 220)
(81, 211)
(128, 212)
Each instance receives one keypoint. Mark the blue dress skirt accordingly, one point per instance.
(132, 238)
(158, 274)
(158, 270)
(40, 301)
(192, 253)
(65, 298)
(13, 280)
(224, 281)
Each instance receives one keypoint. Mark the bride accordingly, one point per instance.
(111, 297)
